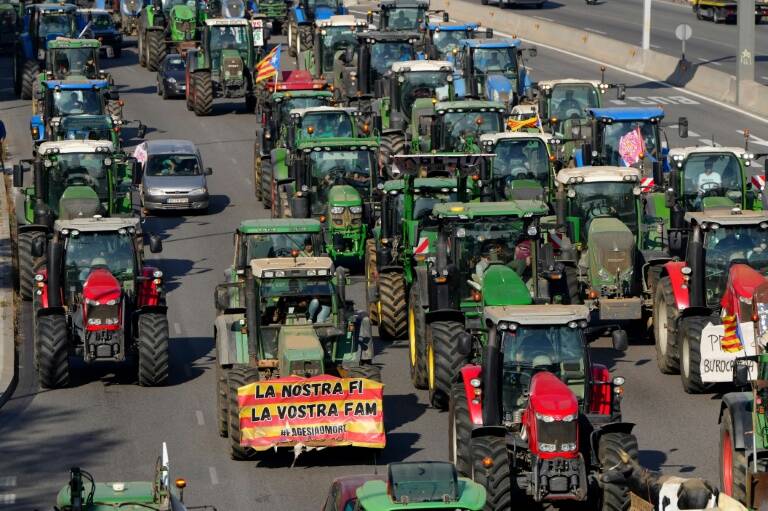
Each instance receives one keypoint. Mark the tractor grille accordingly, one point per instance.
(233, 68)
(557, 436)
(273, 9)
(101, 316)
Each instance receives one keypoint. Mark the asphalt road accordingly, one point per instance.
(113, 428)
(712, 45)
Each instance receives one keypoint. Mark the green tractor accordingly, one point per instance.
(332, 37)
(402, 15)
(223, 66)
(72, 59)
(71, 179)
(165, 24)
(559, 101)
(11, 14)
(292, 319)
(454, 126)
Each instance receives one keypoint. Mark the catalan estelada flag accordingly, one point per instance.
(269, 65)
(731, 341)
(531, 122)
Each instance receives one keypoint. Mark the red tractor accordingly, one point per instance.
(95, 299)
(536, 420)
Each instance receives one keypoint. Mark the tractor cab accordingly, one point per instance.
(324, 122)
(494, 69)
(456, 126)
(227, 50)
(443, 38)
(100, 25)
(564, 100)
(312, 10)
(713, 177)
(402, 15)
(333, 36)
(70, 59)
(86, 127)
(523, 168)
(59, 99)
(45, 22)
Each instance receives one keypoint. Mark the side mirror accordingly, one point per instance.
(208, 171)
(142, 131)
(741, 373)
(18, 176)
(619, 340)
(349, 55)
(621, 92)
(488, 33)
(446, 18)
(682, 127)
(155, 244)
(670, 198)
(532, 52)
(464, 344)
(38, 247)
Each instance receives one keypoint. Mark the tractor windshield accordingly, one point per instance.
(327, 124)
(77, 169)
(711, 175)
(263, 246)
(102, 21)
(57, 23)
(308, 298)
(519, 159)
(463, 129)
(173, 165)
(622, 146)
(445, 41)
(403, 18)
(74, 62)
(495, 61)
(343, 167)
(727, 245)
(71, 102)
(288, 104)
(314, 4)
(423, 84)
(569, 101)
(228, 37)
(84, 127)
(335, 39)
(603, 199)
(385, 53)
(529, 349)
(423, 202)
(85, 251)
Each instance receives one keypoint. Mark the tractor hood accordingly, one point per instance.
(743, 281)
(79, 201)
(323, 12)
(708, 203)
(344, 195)
(503, 286)
(101, 286)
(549, 396)
(131, 7)
(499, 88)
(299, 351)
(611, 252)
(182, 13)
(524, 189)
(231, 64)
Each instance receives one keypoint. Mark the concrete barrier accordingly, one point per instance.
(659, 66)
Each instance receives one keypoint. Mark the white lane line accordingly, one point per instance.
(234, 161)
(214, 475)
(596, 31)
(7, 481)
(693, 134)
(656, 47)
(200, 418)
(543, 18)
(7, 498)
(707, 61)
(177, 328)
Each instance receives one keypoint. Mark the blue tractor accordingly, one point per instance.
(442, 38)
(301, 21)
(41, 23)
(494, 69)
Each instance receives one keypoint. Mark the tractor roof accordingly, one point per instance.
(490, 43)
(525, 108)
(468, 104)
(98, 224)
(685, 152)
(170, 146)
(550, 314)
(279, 226)
(637, 113)
(66, 42)
(226, 22)
(421, 65)
(320, 109)
(55, 7)
(76, 84)
(390, 36)
(470, 210)
(392, 4)
(341, 20)
(135, 495)
(76, 146)
(495, 138)
(296, 80)
(452, 26)
(307, 144)
(440, 184)
(733, 216)
(549, 84)
(597, 175)
(93, 10)
(291, 267)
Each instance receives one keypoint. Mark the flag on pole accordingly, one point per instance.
(269, 65)
(631, 147)
(732, 339)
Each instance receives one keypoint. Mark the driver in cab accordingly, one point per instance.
(708, 179)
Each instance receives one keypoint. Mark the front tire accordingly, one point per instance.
(367, 371)
(153, 349)
(27, 262)
(155, 49)
(443, 359)
(497, 478)
(52, 351)
(222, 401)
(459, 430)
(417, 340)
(615, 497)
(391, 144)
(393, 321)
(29, 75)
(665, 319)
(203, 93)
(733, 462)
(237, 377)
(690, 353)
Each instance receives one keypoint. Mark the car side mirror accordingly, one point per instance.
(142, 131)
(38, 247)
(155, 244)
(621, 92)
(208, 171)
(682, 127)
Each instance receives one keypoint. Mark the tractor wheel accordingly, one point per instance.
(266, 185)
(391, 144)
(459, 430)
(307, 37)
(52, 351)
(496, 478)
(665, 319)
(690, 352)
(189, 95)
(393, 322)
(141, 42)
(28, 77)
(203, 93)
(615, 496)
(417, 341)
(238, 376)
(697, 11)
(371, 281)
(153, 349)
(367, 371)
(257, 171)
(155, 49)
(567, 287)
(293, 29)
(250, 103)
(443, 360)
(27, 262)
(733, 462)
(222, 401)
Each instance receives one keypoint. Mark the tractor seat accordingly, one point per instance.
(541, 360)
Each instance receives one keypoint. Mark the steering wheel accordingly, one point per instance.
(601, 210)
(283, 252)
(711, 190)
(422, 92)
(81, 179)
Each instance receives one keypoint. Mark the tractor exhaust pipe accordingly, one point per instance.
(252, 314)
(696, 284)
(491, 416)
(54, 272)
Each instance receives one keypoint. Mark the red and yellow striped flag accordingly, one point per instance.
(532, 122)
(731, 341)
(269, 65)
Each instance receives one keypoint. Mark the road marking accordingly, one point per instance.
(7, 481)
(618, 102)
(177, 328)
(596, 31)
(214, 475)
(543, 18)
(7, 498)
(693, 134)
(200, 418)
(656, 47)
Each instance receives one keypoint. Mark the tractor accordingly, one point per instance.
(442, 38)
(611, 250)
(99, 25)
(96, 300)
(494, 69)
(524, 166)
(274, 13)
(71, 179)
(697, 296)
(333, 37)
(223, 66)
(292, 319)
(130, 13)
(743, 419)
(532, 418)
(42, 23)
(402, 15)
(453, 126)
(11, 14)
(167, 26)
(73, 59)
(301, 21)
(561, 100)
(86, 127)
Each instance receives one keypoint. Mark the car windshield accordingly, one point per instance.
(423, 84)
(336, 39)
(446, 40)
(57, 23)
(604, 199)
(77, 169)
(173, 165)
(327, 124)
(74, 61)
(496, 60)
(343, 167)
(518, 159)
(618, 141)
(84, 127)
(228, 37)
(727, 245)
(85, 101)
(711, 175)
(102, 21)
(383, 54)
(571, 100)
(404, 18)
(88, 250)
(175, 64)
(529, 349)
(263, 246)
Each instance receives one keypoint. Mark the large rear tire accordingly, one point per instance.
(203, 93)
(307, 37)
(371, 282)
(443, 360)
(496, 479)
(417, 341)
(257, 171)
(459, 430)
(266, 185)
(142, 47)
(155, 49)
(52, 351)
(615, 496)
(238, 376)
(367, 371)
(27, 262)
(391, 144)
(733, 462)
(393, 321)
(28, 77)
(222, 401)
(665, 321)
(153, 349)
(690, 353)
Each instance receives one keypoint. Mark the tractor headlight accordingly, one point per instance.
(571, 446)
(547, 447)
(356, 210)
(94, 321)
(337, 210)
(171, 80)
(545, 418)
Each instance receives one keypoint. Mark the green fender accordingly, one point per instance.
(503, 286)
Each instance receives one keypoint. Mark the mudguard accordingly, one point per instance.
(497, 431)
(36, 121)
(673, 269)
(468, 373)
(49, 311)
(444, 315)
(28, 51)
(299, 16)
(739, 406)
(226, 328)
(420, 281)
(613, 427)
(579, 158)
